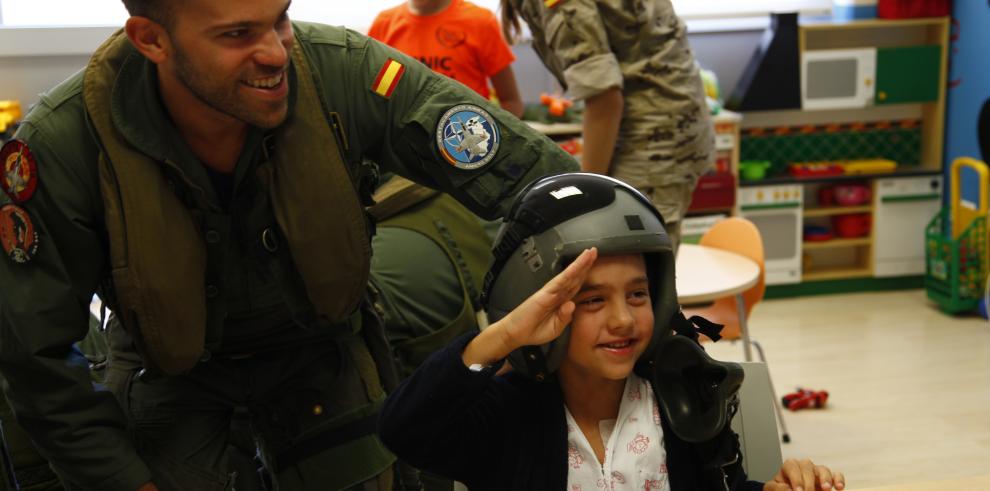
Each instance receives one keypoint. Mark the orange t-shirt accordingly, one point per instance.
(463, 41)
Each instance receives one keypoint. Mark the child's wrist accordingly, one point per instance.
(488, 347)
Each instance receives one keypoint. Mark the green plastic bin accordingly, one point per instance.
(955, 268)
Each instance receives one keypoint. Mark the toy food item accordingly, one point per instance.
(556, 105)
(869, 166)
(10, 112)
(851, 194)
(752, 170)
(815, 169)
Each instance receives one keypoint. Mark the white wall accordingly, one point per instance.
(28, 72)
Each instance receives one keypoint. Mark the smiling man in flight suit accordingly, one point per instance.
(206, 175)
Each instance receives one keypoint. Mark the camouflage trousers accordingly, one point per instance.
(664, 165)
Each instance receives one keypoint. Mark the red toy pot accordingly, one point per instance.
(851, 226)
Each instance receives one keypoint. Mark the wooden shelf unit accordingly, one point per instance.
(855, 253)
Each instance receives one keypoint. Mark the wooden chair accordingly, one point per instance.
(738, 235)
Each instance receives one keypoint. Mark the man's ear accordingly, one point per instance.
(149, 37)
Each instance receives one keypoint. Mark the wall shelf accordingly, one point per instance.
(833, 243)
(837, 273)
(837, 210)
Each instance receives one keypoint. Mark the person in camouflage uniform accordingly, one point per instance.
(646, 121)
(207, 174)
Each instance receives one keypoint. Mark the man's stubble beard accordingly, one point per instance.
(222, 96)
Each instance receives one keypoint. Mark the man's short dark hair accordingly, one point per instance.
(159, 11)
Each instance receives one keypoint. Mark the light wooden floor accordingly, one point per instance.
(909, 387)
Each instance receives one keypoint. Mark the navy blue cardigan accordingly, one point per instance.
(510, 433)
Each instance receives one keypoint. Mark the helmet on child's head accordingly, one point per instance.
(550, 223)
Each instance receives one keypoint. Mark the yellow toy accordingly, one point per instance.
(10, 112)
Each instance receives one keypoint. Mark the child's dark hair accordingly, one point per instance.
(510, 21)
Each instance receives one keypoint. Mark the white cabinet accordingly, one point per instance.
(903, 207)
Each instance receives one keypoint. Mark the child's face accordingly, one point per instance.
(613, 321)
(427, 5)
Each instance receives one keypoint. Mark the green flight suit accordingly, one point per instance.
(430, 258)
(24, 469)
(270, 376)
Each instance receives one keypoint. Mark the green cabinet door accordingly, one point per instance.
(908, 74)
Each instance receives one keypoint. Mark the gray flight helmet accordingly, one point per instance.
(550, 223)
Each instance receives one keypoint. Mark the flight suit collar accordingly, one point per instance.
(136, 109)
(138, 113)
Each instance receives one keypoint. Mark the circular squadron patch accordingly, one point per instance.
(17, 234)
(467, 137)
(19, 174)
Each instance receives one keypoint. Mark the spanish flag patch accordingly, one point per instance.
(388, 78)
(552, 3)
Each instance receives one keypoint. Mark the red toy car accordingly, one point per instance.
(804, 398)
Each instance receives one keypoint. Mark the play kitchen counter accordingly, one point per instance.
(843, 227)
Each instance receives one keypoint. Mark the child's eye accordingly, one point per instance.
(590, 302)
(640, 295)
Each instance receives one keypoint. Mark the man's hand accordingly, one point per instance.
(804, 475)
(150, 486)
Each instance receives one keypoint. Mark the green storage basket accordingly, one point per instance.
(956, 268)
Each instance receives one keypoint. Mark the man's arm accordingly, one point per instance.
(44, 311)
(479, 154)
(602, 116)
(577, 36)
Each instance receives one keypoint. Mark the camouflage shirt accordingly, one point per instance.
(666, 138)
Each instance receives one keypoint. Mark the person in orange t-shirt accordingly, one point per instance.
(456, 38)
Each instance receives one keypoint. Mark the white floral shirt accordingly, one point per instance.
(635, 457)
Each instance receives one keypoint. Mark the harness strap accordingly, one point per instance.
(694, 326)
(352, 430)
(365, 363)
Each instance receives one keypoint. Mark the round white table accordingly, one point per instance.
(705, 274)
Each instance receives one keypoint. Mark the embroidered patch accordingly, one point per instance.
(19, 176)
(467, 137)
(388, 78)
(552, 3)
(17, 234)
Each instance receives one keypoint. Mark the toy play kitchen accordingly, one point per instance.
(776, 211)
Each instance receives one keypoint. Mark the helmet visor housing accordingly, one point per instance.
(551, 223)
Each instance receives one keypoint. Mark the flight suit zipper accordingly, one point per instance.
(725, 477)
